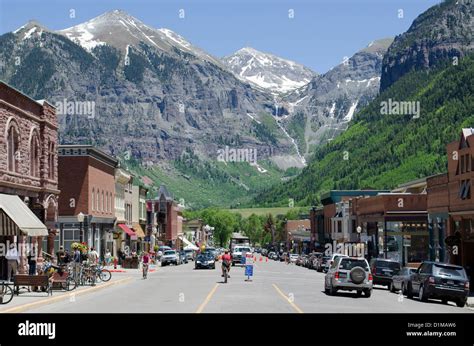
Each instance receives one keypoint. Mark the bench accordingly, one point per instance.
(31, 281)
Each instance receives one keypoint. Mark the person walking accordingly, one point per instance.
(31, 262)
(60, 255)
(107, 257)
(76, 263)
(12, 259)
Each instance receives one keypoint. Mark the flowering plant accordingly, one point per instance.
(82, 247)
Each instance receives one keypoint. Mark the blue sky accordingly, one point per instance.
(321, 33)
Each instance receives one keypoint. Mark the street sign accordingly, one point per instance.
(249, 270)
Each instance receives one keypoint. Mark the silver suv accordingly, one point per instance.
(349, 274)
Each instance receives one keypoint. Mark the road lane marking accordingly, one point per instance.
(208, 298)
(293, 305)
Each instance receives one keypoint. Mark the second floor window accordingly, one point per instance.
(34, 156)
(13, 145)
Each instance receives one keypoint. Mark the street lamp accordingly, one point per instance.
(80, 218)
(359, 230)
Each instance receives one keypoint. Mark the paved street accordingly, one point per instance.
(276, 287)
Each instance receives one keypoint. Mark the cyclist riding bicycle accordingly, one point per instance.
(145, 263)
(226, 262)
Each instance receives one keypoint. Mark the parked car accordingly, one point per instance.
(383, 269)
(160, 251)
(400, 280)
(349, 274)
(169, 257)
(189, 255)
(293, 257)
(313, 260)
(444, 281)
(205, 260)
(331, 261)
(182, 257)
(322, 263)
(264, 252)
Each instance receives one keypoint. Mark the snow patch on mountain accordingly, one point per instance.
(268, 71)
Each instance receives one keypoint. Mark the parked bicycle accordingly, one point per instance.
(6, 293)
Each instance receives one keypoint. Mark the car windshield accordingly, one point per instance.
(349, 263)
(170, 253)
(449, 271)
(188, 251)
(388, 264)
(242, 249)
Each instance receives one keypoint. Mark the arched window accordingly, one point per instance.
(93, 198)
(51, 157)
(97, 200)
(13, 145)
(103, 201)
(34, 156)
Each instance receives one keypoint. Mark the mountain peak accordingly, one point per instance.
(268, 71)
(30, 28)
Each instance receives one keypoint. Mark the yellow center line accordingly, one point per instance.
(293, 305)
(208, 298)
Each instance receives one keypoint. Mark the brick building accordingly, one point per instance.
(28, 172)
(87, 183)
(298, 235)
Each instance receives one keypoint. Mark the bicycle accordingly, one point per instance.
(6, 293)
(103, 274)
(145, 270)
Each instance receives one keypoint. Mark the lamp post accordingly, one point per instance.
(80, 218)
(359, 230)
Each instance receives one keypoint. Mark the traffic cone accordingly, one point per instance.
(266, 259)
(260, 258)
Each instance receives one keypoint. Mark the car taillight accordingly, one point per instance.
(370, 277)
(466, 285)
(336, 275)
(431, 280)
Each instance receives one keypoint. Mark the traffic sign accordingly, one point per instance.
(249, 270)
(248, 259)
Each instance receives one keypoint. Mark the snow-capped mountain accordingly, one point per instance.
(268, 71)
(120, 30)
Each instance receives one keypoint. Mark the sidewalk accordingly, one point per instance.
(470, 300)
(27, 300)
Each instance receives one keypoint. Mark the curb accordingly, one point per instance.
(50, 300)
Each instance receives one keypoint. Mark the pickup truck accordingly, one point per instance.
(238, 252)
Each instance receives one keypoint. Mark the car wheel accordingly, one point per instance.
(332, 291)
(391, 287)
(422, 294)
(403, 289)
(461, 302)
(409, 291)
(359, 293)
(368, 292)
(444, 301)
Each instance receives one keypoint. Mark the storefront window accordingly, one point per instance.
(407, 241)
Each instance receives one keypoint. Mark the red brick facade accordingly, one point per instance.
(28, 157)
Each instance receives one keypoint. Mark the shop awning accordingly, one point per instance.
(190, 246)
(138, 230)
(127, 230)
(22, 216)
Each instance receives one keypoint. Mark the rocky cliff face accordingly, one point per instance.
(319, 111)
(445, 31)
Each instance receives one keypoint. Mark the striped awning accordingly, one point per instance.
(19, 213)
(7, 226)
